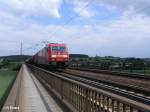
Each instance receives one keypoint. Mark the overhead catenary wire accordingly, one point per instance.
(137, 11)
(70, 19)
(89, 3)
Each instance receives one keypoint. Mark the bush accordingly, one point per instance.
(5, 63)
(16, 67)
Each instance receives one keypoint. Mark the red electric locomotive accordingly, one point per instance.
(53, 54)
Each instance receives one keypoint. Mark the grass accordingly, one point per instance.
(6, 77)
(8, 73)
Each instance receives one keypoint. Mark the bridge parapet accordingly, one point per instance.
(81, 97)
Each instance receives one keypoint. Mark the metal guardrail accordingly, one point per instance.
(130, 91)
(134, 95)
(85, 98)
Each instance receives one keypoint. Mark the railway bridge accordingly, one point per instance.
(37, 89)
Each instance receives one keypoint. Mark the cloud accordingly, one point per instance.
(82, 8)
(33, 7)
(48, 8)
(137, 6)
(126, 36)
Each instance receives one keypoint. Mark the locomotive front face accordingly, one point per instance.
(58, 54)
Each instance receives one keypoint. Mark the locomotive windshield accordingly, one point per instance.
(58, 48)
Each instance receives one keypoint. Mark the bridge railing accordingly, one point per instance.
(81, 97)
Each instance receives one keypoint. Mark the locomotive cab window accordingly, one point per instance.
(58, 48)
(55, 48)
(62, 48)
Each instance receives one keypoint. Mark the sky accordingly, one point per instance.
(95, 27)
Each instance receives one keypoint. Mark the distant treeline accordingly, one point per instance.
(79, 56)
(110, 62)
(19, 58)
(106, 61)
(16, 58)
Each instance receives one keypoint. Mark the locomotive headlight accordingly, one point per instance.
(53, 56)
(65, 56)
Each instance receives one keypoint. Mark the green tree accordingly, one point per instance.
(5, 62)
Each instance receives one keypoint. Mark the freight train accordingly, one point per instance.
(53, 55)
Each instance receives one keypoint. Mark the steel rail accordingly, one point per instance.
(128, 87)
(115, 73)
(119, 91)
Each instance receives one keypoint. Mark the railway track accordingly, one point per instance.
(129, 91)
(115, 90)
(115, 73)
(130, 88)
(138, 85)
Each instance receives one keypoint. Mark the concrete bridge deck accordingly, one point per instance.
(28, 95)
